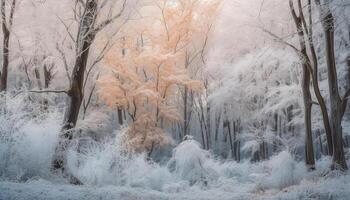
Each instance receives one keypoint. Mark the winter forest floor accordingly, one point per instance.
(26, 153)
(195, 175)
(108, 172)
(333, 188)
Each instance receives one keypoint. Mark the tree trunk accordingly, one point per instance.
(314, 73)
(309, 150)
(238, 142)
(203, 136)
(38, 78)
(290, 119)
(228, 125)
(6, 28)
(306, 80)
(275, 129)
(337, 107)
(217, 126)
(5, 61)
(85, 38)
(120, 116)
(47, 76)
(234, 141)
(186, 120)
(208, 126)
(5, 48)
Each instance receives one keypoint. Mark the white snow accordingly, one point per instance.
(320, 189)
(108, 172)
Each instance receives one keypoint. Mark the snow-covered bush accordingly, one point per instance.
(188, 161)
(281, 171)
(109, 163)
(27, 138)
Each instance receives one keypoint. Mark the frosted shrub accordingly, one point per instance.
(282, 171)
(95, 163)
(99, 163)
(27, 138)
(146, 174)
(109, 163)
(188, 161)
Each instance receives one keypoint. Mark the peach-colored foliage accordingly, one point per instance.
(146, 67)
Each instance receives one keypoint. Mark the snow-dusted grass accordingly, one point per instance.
(336, 188)
(108, 171)
(27, 139)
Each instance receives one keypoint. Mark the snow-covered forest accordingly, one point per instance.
(174, 99)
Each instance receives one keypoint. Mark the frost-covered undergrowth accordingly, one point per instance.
(28, 140)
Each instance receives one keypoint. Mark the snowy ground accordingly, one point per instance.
(43, 190)
(280, 178)
(331, 189)
(109, 173)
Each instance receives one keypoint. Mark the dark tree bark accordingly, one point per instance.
(85, 38)
(217, 125)
(186, 123)
(6, 28)
(208, 122)
(38, 79)
(86, 35)
(48, 75)
(306, 80)
(337, 104)
(234, 140)
(263, 151)
(228, 126)
(202, 134)
(120, 116)
(275, 129)
(307, 36)
(308, 32)
(290, 117)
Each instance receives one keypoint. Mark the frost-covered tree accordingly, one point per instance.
(338, 102)
(147, 67)
(7, 10)
(92, 17)
(262, 85)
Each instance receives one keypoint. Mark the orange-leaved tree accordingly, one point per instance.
(146, 68)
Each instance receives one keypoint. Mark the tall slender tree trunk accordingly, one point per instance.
(238, 151)
(186, 120)
(120, 116)
(217, 126)
(85, 38)
(203, 135)
(6, 26)
(208, 122)
(290, 119)
(235, 141)
(275, 129)
(5, 59)
(228, 124)
(306, 80)
(309, 150)
(319, 97)
(337, 104)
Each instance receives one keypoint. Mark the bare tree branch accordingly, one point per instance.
(65, 63)
(103, 24)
